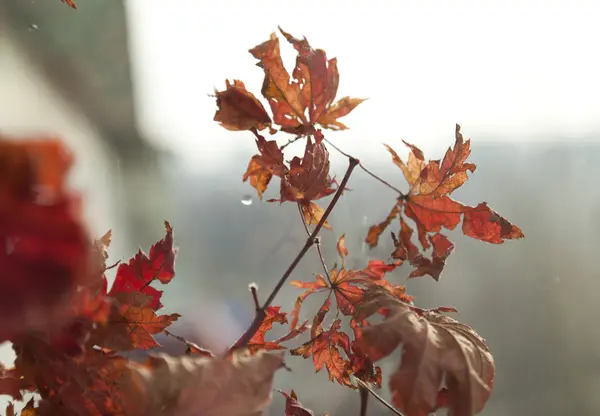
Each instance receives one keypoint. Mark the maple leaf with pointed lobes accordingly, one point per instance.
(434, 348)
(263, 166)
(258, 340)
(137, 275)
(313, 90)
(427, 203)
(349, 286)
(273, 315)
(326, 347)
(131, 327)
(239, 109)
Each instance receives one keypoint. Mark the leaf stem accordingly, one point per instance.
(310, 241)
(365, 386)
(360, 165)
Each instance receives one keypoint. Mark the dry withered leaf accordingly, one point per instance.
(239, 109)
(434, 347)
(189, 385)
(312, 90)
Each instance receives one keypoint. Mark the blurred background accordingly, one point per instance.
(126, 84)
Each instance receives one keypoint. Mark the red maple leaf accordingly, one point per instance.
(293, 407)
(348, 285)
(326, 347)
(429, 205)
(273, 315)
(137, 275)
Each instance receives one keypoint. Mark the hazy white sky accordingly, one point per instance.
(510, 68)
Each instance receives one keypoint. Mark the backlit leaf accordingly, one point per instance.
(434, 348)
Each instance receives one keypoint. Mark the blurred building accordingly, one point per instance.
(67, 72)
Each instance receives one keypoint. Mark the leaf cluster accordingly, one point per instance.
(70, 330)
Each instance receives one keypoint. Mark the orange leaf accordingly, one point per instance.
(311, 287)
(258, 341)
(70, 3)
(341, 246)
(431, 208)
(131, 327)
(284, 98)
(308, 178)
(312, 214)
(326, 347)
(259, 176)
(485, 224)
(340, 109)
(239, 109)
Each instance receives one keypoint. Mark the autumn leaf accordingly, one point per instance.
(312, 87)
(312, 215)
(311, 287)
(137, 275)
(45, 251)
(91, 383)
(258, 340)
(308, 177)
(263, 166)
(239, 109)
(343, 107)
(70, 3)
(193, 349)
(293, 407)
(189, 386)
(434, 348)
(326, 347)
(131, 327)
(341, 246)
(429, 205)
(348, 285)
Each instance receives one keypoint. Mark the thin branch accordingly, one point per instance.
(364, 400)
(317, 245)
(386, 183)
(378, 397)
(254, 290)
(310, 241)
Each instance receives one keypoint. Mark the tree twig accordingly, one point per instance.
(364, 400)
(360, 165)
(310, 241)
(365, 386)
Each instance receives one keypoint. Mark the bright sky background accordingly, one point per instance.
(501, 69)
